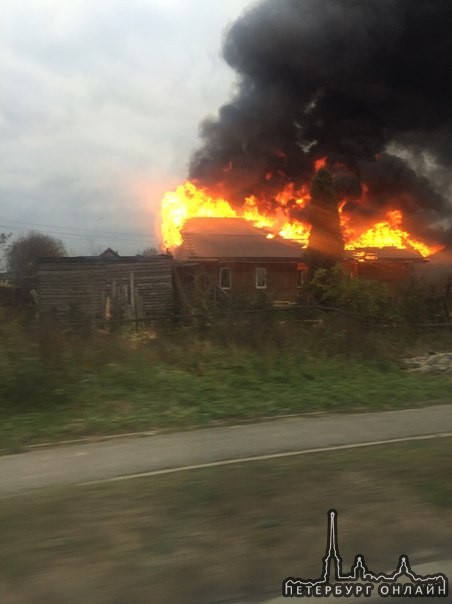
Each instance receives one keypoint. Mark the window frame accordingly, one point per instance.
(264, 269)
(225, 270)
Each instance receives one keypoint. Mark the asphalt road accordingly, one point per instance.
(125, 457)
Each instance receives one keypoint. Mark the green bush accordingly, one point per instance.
(368, 302)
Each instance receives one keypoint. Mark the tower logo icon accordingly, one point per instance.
(361, 581)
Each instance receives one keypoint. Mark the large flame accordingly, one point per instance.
(385, 233)
(189, 201)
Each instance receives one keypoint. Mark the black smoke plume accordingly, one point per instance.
(345, 79)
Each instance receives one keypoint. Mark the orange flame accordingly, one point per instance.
(189, 201)
(386, 233)
(320, 163)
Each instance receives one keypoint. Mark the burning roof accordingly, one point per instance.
(188, 203)
(384, 254)
(213, 238)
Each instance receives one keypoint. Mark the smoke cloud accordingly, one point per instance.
(345, 79)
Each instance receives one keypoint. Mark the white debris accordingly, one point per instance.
(433, 362)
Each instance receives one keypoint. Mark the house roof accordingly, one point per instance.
(384, 254)
(102, 259)
(109, 253)
(211, 238)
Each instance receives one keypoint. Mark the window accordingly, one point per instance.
(261, 278)
(225, 278)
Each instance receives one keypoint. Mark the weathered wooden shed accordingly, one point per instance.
(387, 265)
(106, 287)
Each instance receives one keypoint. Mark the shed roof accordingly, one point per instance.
(109, 253)
(211, 238)
(385, 254)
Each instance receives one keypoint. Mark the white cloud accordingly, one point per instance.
(100, 106)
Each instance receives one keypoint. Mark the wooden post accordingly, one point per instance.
(132, 297)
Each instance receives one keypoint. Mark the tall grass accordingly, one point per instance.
(55, 383)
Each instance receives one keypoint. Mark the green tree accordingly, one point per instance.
(149, 251)
(326, 246)
(4, 238)
(23, 253)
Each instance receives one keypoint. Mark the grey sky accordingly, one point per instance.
(99, 109)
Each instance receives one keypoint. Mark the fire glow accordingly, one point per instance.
(189, 201)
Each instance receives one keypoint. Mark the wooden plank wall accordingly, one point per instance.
(281, 279)
(199, 281)
(99, 289)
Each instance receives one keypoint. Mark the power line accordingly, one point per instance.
(57, 226)
(98, 235)
(88, 237)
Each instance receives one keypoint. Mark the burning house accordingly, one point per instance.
(335, 142)
(221, 249)
(308, 99)
(387, 265)
(223, 257)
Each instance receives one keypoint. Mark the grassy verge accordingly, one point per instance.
(57, 386)
(232, 532)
